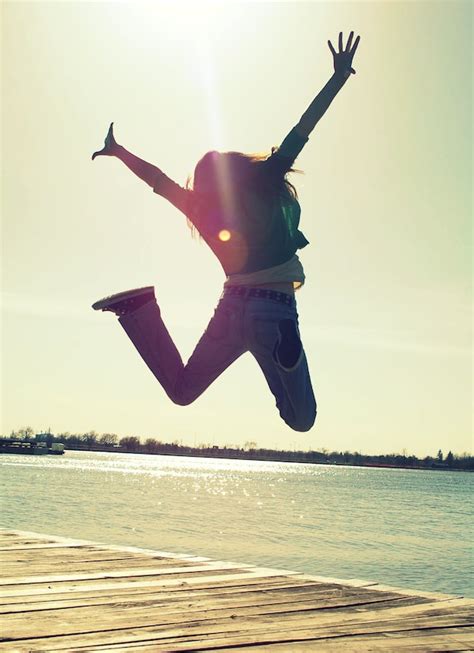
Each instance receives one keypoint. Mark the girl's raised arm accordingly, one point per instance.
(149, 173)
(342, 71)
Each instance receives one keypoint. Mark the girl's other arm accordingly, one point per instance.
(150, 174)
(156, 178)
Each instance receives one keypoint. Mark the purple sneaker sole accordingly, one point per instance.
(126, 299)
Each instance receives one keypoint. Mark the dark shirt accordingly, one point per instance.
(254, 230)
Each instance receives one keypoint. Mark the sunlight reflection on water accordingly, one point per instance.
(405, 527)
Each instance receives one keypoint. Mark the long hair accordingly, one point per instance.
(222, 175)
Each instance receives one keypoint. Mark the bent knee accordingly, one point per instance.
(183, 394)
(181, 401)
(181, 398)
(302, 426)
(302, 423)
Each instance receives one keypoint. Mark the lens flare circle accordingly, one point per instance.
(224, 235)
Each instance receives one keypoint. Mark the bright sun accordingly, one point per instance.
(202, 33)
(191, 20)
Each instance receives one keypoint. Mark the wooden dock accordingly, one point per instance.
(60, 594)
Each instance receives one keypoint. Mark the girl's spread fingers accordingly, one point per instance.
(331, 47)
(348, 46)
(340, 42)
(356, 43)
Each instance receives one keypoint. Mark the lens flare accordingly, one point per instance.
(224, 235)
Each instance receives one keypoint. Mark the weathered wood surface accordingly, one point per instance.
(71, 595)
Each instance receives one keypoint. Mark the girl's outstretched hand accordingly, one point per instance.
(111, 145)
(343, 58)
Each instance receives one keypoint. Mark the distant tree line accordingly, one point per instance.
(92, 441)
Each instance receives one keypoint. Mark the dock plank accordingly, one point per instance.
(178, 580)
(225, 596)
(415, 642)
(138, 572)
(112, 598)
(209, 634)
(98, 568)
(234, 584)
(76, 620)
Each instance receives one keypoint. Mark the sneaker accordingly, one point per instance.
(125, 302)
(288, 348)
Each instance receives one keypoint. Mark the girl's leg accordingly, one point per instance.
(219, 346)
(291, 386)
(292, 390)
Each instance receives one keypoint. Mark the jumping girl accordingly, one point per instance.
(247, 211)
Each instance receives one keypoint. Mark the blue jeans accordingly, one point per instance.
(239, 324)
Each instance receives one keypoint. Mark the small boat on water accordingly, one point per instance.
(30, 447)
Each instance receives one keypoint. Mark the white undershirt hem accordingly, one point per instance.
(289, 272)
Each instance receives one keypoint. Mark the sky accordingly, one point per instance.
(386, 203)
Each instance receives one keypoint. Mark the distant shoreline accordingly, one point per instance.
(282, 458)
(112, 443)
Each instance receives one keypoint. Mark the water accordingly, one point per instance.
(407, 528)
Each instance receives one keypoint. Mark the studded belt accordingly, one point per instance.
(259, 293)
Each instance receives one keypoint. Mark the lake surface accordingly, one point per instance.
(407, 528)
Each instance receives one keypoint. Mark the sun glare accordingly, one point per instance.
(202, 32)
(187, 19)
